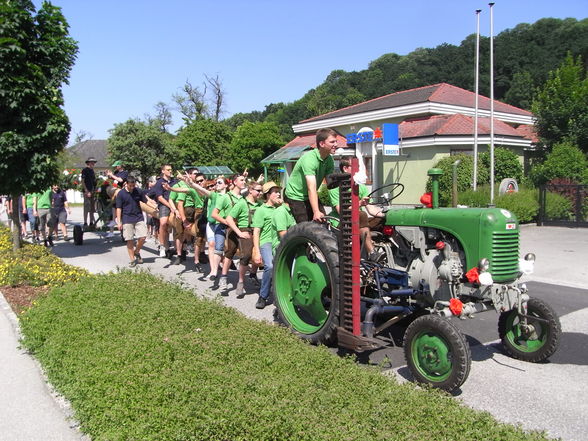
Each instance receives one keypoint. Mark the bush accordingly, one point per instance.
(33, 265)
(142, 359)
(564, 161)
(524, 204)
(478, 198)
(506, 164)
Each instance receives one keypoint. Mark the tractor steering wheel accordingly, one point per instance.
(385, 200)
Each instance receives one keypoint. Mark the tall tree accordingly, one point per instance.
(141, 147)
(204, 142)
(36, 57)
(162, 117)
(251, 143)
(560, 107)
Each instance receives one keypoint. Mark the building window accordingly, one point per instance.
(468, 152)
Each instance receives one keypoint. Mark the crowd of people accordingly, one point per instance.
(213, 219)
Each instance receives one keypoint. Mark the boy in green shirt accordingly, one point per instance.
(42, 209)
(263, 239)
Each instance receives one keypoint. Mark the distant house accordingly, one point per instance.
(434, 121)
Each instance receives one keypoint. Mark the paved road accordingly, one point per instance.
(546, 396)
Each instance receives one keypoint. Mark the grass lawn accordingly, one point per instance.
(143, 359)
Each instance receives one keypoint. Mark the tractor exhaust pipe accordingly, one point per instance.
(434, 173)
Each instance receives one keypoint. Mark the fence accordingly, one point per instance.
(576, 216)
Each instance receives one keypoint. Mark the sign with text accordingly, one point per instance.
(391, 146)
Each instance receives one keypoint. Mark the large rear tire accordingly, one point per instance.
(437, 352)
(538, 342)
(306, 282)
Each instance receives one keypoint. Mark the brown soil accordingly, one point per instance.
(22, 297)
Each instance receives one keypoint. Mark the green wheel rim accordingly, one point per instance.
(516, 337)
(302, 286)
(431, 355)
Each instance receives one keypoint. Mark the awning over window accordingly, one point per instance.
(286, 154)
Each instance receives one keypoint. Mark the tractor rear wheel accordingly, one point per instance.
(306, 282)
(437, 352)
(536, 342)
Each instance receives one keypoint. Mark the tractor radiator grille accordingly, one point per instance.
(505, 255)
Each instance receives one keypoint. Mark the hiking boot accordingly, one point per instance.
(139, 258)
(240, 291)
(253, 279)
(260, 303)
(212, 277)
(132, 264)
(222, 283)
(50, 240)
(198, 267)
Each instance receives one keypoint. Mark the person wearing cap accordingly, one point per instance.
(89, 186)
(263, 238)
(119, 175)
(307, 176)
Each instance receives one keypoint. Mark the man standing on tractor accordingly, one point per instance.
(308, 174)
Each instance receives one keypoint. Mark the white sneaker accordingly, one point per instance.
(162, 252)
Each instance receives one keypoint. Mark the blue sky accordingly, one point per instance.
(134, 53)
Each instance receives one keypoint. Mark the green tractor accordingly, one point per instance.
(435, 264)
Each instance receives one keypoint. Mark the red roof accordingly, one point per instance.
(310, 140)
(528, 132)
(441, 93)
(458, 124)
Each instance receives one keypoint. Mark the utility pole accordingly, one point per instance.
(477, 99)
(491, 103)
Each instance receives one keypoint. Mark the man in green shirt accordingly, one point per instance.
(42, 209)
(308, 174)
(281, 221)
(240, 221)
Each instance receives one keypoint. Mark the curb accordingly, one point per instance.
(62, 403)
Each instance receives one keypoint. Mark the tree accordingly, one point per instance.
(521, 90)
(506, 164)
(204, 142)
(564, 161)
(141, 147)
(162, 118)
(253, 142)
(36, 57)
(560, 107)
(201, 102)
(218, 97)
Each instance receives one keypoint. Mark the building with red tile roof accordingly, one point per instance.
(434, 121)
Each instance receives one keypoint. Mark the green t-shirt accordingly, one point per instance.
(334, 198)
(30, 199)
(225, 202)
(44, 200)
(212, 197)
(191, 199)
(263, 219)
(310, 163)
(243, 212)
(281, 221)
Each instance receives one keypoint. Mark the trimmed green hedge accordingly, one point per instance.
(142, 359)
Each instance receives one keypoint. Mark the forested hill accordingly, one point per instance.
(524, 56)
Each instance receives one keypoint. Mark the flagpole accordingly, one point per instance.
(491, 102)
(477, 100)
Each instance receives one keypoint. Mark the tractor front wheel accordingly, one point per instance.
(437, 352)
(534, 341)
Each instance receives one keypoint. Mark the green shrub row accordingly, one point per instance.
(524, 204)
(143, 359)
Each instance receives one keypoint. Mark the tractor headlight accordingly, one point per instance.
(485, 279)
(527, 266)
(483, 265)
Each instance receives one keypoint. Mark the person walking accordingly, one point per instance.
(89, 187)
(42, 209)
(161, 191)
(59, 211)
(263, 239)
(240, 220)
(29, 202)
(307, 176)
(216, 231)
(130, 221)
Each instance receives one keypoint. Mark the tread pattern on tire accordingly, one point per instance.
(326, 242)
(554, 332)
(461, 350)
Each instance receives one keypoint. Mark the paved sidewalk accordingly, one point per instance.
(29, 410)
